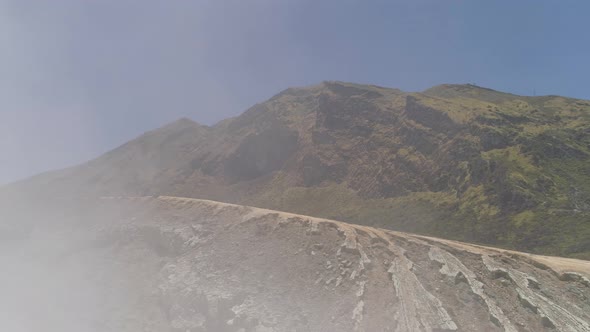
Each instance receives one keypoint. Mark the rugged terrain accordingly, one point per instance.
(181, 264)
(455, 161)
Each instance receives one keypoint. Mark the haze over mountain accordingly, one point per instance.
(455, 161)
(75, 87)
(131, 241)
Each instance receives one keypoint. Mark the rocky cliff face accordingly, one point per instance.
(456, 161)
(180, 264)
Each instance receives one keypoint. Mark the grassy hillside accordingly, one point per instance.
(456, 161)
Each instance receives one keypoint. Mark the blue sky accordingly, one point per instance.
(82, 77)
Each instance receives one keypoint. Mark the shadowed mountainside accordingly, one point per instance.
(180, 264)
(455, 161)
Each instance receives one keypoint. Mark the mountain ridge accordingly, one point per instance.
(175, 264)
(457, 161)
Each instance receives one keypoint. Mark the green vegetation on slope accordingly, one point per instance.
(468, 163)
(455, 161)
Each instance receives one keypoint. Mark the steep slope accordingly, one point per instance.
(457, 161)
(179, 264)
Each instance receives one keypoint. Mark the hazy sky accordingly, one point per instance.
(80, 77)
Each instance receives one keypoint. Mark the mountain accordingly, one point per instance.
(455, 161)
(179, 264)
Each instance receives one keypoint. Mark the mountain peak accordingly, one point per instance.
(457, 161)
(183, 123)
(180, 125)
(350, 87)
(468, 90)
(338, 87)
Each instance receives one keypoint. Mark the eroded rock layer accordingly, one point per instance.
(178, 264)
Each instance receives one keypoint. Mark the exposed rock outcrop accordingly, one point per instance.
(179, 264)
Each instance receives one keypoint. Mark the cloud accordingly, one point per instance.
(45, 119)
(81, 77)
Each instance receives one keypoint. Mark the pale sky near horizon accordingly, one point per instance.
(82, 77)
